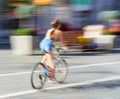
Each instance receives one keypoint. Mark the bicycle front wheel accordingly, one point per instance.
(61, 70)
(37, 77)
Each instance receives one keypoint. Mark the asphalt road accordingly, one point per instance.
(92, 75)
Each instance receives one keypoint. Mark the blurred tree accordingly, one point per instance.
(20, 1)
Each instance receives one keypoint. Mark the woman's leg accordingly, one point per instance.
(49, 58)
(44, 59)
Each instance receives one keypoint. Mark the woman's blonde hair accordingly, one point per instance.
(55, 23)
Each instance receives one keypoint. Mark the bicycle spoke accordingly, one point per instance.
(60, 71)
(38, 78)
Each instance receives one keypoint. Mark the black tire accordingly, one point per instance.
(61, 70)
(38, 78)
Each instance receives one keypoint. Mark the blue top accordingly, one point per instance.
(46, 45)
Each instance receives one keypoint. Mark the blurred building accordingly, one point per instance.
(77, 13)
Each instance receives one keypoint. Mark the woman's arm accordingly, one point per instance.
(62, 39)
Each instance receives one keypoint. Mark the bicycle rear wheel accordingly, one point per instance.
(38, 77)
(61, 70)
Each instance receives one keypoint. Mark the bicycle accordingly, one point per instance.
(40, 71)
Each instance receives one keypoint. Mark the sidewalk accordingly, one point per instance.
(8, 52)
(7, 57)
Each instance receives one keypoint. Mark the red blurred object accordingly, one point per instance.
(19, 2)
(115, 29)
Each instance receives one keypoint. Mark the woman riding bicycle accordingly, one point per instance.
(47, 44)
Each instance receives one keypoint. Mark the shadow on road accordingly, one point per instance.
(92, 52)
(87, 52)
(98, 85)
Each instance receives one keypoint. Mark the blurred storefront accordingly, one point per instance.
(81, 10)
(78, 13)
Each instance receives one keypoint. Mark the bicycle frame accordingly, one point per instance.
(56, 54)
(61, 70)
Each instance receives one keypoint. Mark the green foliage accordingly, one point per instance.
(5, 5)
(22, 31)
(23, 0)
(108, 33)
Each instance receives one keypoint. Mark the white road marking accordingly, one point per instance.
(17, 94)
(95, 65)
(60, 87)
(12, 74)
(72, 67)
(16, 64)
